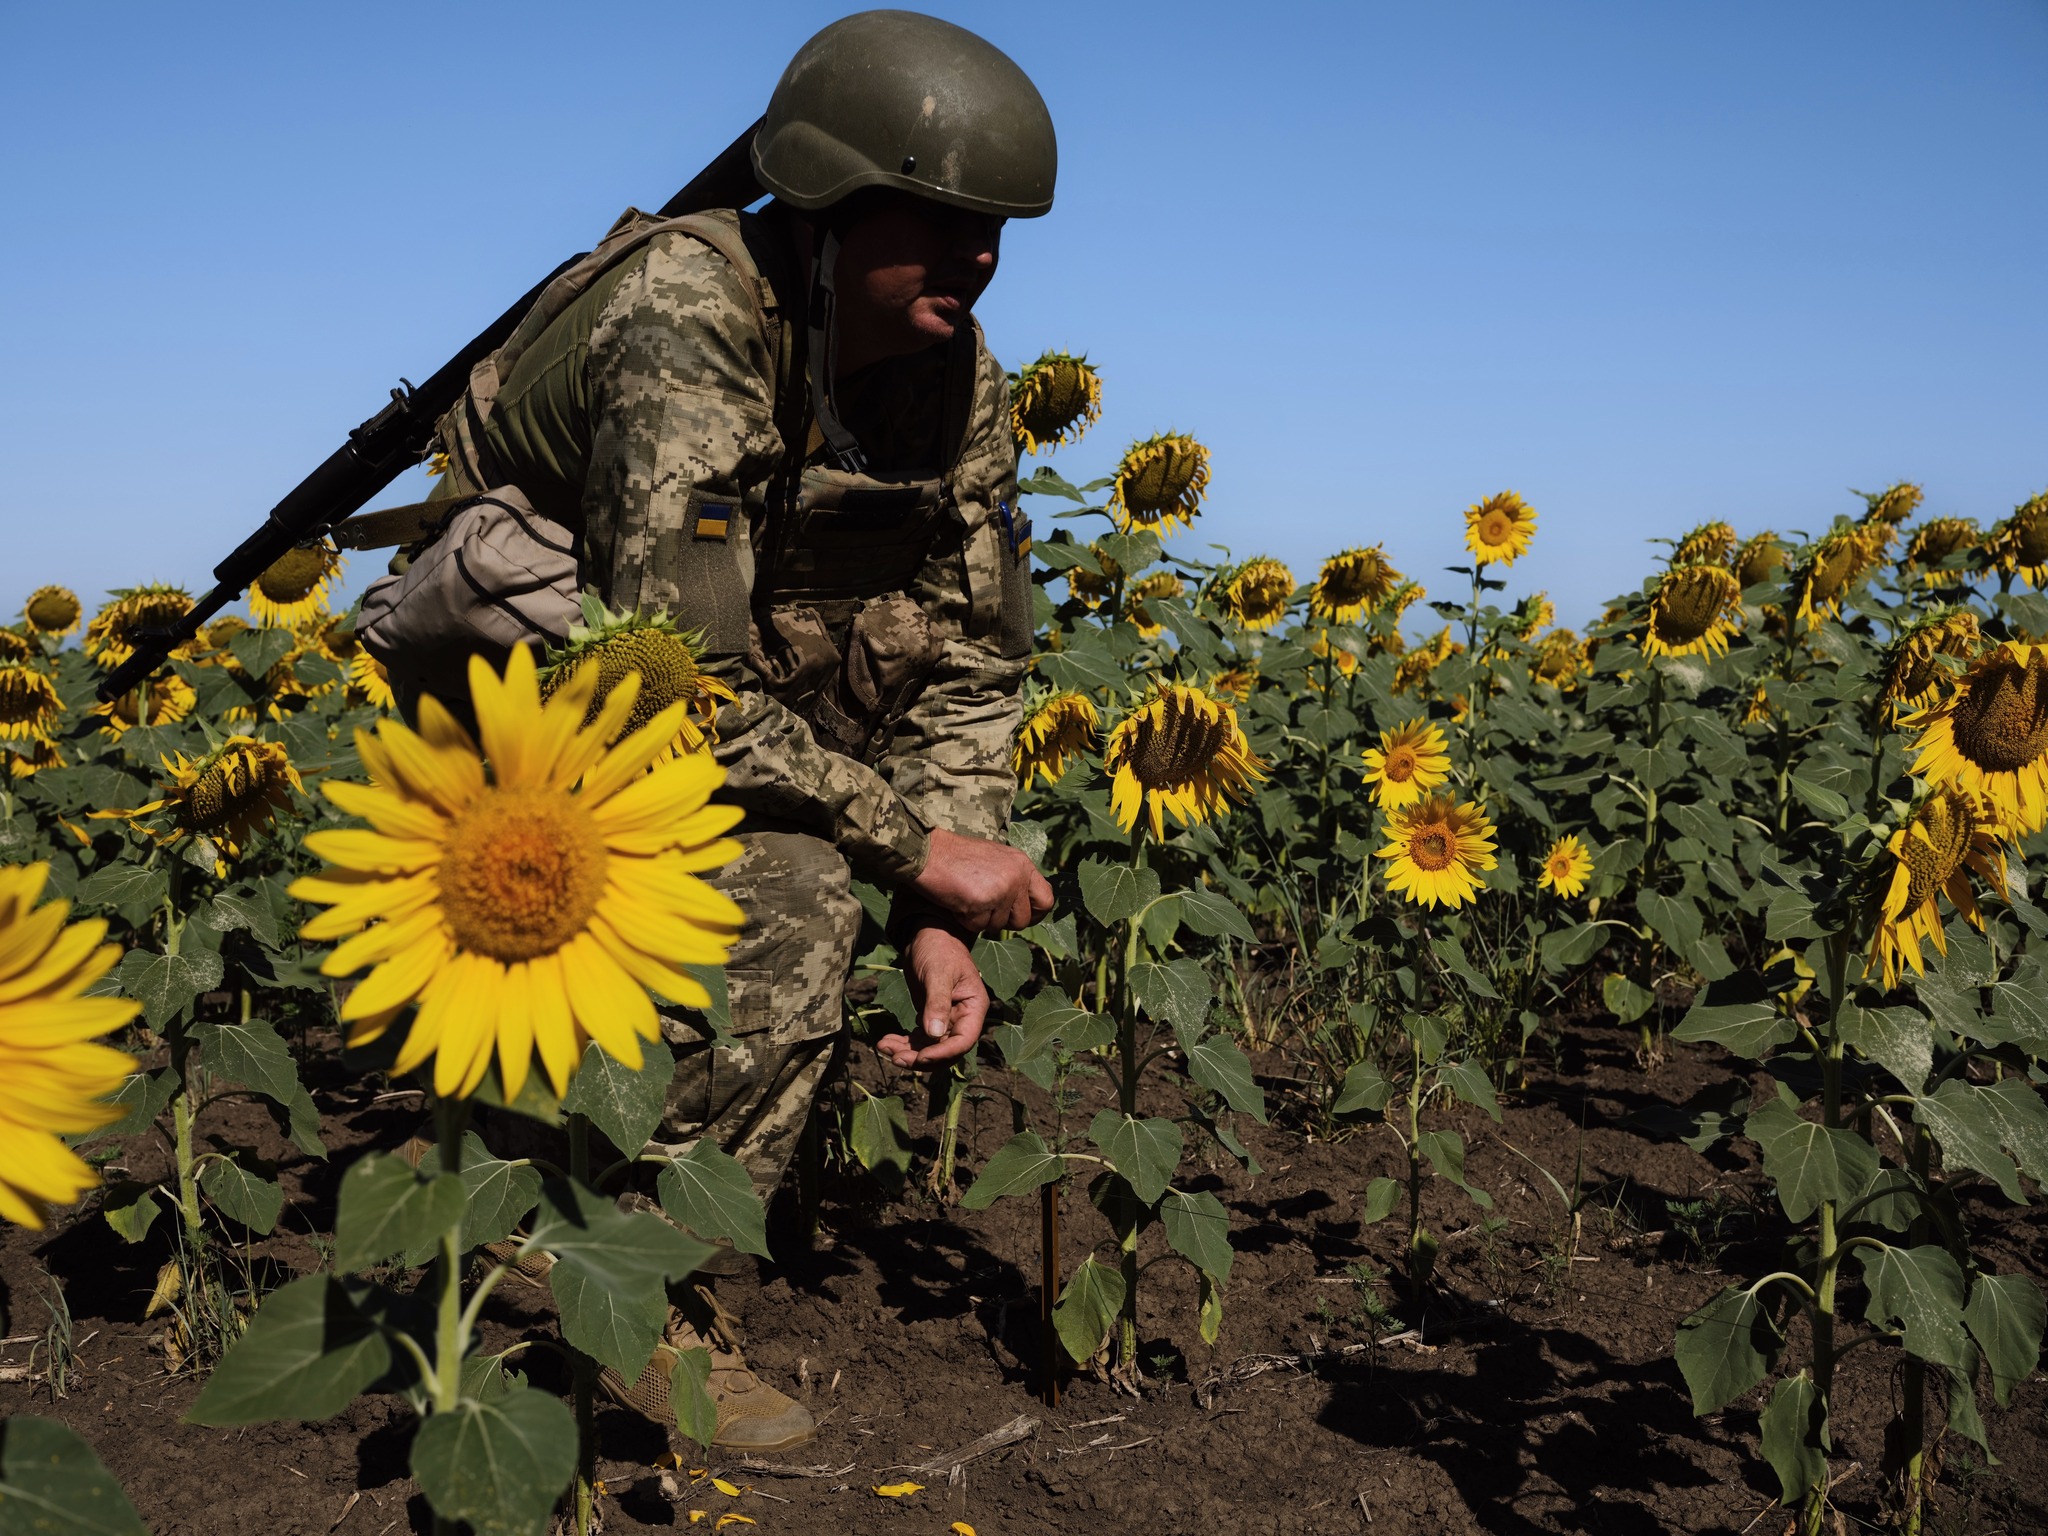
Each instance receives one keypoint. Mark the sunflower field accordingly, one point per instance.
(1348, 868)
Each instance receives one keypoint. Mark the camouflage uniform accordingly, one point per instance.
(661, 416)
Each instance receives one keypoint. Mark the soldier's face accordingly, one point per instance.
(909, 273)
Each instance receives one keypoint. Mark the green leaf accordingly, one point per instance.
(499, 1465)
(1430, 1034)
(1083, 670)
(1468, 1080)
(1737, 1013)
(250, 908)
(1198, 1229)
(1920, 1292)
(1210, 1311)
(1973, 1123)
(2006, 1316)
(1819, 799)
(258, 650)
(1365, 1087)
(1219, 1066)
(1021, 1164)
(253, 1055)
(1809, 1163)
(1144, 1151)
(1567, 947)
(1963, 1418)
(1087, 1309)
(497, 1194)
(708, 1191)
(1445, 1151)
(1380, 1196)
(144, 1094)
(1115, 893)
(309, 1351)
(51, 1484)
(1786, 1430)
(243, 1193)
(1005, 964)
(689, 1393)
(1624, 999)
(1214, 915)
(131, 1209)
(1675, 919)
(1452, 953)
(1179, 993)
(611, 1271)
(386, 1208)
(166, 984)
(1725, 1348)
(625, 1104)
(1898, 1039)
(134, 890)
(880, 1136)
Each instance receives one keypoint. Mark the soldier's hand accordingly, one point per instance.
(987, 886)
(952, 1003)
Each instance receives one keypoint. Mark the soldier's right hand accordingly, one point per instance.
(988, 886)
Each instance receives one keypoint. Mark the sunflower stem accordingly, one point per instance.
(451, 1336)
(585, 1377)
(1828, 1249)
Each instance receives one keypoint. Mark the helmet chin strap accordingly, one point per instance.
(824, 354)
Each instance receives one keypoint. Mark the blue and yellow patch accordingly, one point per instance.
(1016, 529)
(713, 522)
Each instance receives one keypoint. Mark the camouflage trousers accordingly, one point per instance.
(785, 981)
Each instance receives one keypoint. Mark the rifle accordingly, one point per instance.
(392, 441)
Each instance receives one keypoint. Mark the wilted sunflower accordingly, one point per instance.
(614, 645)
(1693, 611)
(1988, 735)
(1160, 584)
(293, 587)
(1499, 529)
(1258, 593)
(1053, 735)
(1567, 867)
(1948, 837)
(110, 637)
(2019, 544)
(1559, 660)
(232, 792)
(163, 700)
(28, 761)
(54, 1077)
(1822, 579)
(29, 705)
(1534, 614)
(1402, 597)
(1885, 511)
(1160, 483)
(1410, 761)
(1436, 848)
(16, 648)
(1090, 588)
(1911, 674)
(1241, 682)
(1709, 542)
(1181, 750)
(369, 682)
(1759, 559)
(53, 611)
(528, 905)
(1054, 401)
(1351, 582)
(1934, 541)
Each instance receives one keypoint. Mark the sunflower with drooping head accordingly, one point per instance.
(667, 660)
(1159, 483)
(1160, 586)
(1180, 751)
(52, 611)
(1949, 836)
(1986, 735)
(1694, 609)
(1058, 730)
(111, 637)
(1258, 593)
(2018, 545)
(1351, 583)
(1912, 673)
(292, 590)
(1054, 401)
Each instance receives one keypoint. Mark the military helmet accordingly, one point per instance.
(897, 99)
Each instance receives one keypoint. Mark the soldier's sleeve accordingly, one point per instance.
(950, 756)
(682, 402)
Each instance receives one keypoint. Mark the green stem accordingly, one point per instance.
(1418, 1272)
(182, 1116)
(1828, 1245)
(451, 1337)
(585, 1369)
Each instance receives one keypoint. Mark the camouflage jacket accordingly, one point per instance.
(650, 417)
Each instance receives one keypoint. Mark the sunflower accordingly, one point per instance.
(1340, 657)
(53, 611)
(528, 907)
(1711, 543)
(1436, 846)
(1258, 593)
(1499, 529)
(1181, 750)
(332, 637)
(1385, 642)
(1241, 682)
(110, 637)
(614, 646)
(1892, 505)
(1090, 588)
(1826, 573)
(293, 587)
(17, 649)
(1414, 669)
(1949, 836)
(1054, 401)
(1567, 867)
(1160, 584)
(29, 705)
(1693, 611)
(1911, 673)
(1988, 735)
(2019, 544)
(216, 638)
(1759, 559)
(231, 793)
(1410, 761)
(1533, 614)
(54, 1078)
(1758, 710)
(369, 682)
(1053, 735)
(1934, 543)
(162, 700)
(1351, 582)
(1399, 600)
(1559, 660)
(1160, 483)
(40, 754)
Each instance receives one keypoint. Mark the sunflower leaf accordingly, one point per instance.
(165, 985)
(1809, 1163)
(1020, 1164)
(386, 1208)
(1144, 1151)
(243, 1192)
(880, 1137)
(1115, 893)
(311, 1348)
(1919, 1291)
(2006, 1316)
(1220, 1066)
(1725, 1348)
(611, 1272)
(1088, 1308)
(51, 1484)
(708, 1191)
(1198, 1229)
(499, 1465)
(1978, 1126)
(258, 650)
(1787, 1431)
(624, 1103)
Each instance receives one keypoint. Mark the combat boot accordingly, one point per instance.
(752, 1416)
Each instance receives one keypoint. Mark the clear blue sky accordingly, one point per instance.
(1644, 263)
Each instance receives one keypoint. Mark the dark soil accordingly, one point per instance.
(1535, 1393)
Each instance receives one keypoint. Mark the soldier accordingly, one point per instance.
(784, 428)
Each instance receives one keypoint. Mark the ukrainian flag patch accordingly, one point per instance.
(713, 521)
(1016, 529)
